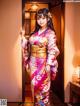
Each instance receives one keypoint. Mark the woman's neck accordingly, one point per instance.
(43, 28)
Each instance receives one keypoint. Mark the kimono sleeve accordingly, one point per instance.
(52, 49)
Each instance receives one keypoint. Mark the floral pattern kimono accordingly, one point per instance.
(40, 78)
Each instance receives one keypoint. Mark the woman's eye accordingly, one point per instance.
(38, 18)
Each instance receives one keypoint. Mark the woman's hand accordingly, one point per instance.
(22, 32)
(47, 68)
(23, 39)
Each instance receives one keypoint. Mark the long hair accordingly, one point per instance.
(45, 12)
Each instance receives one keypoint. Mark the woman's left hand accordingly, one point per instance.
(47, 68)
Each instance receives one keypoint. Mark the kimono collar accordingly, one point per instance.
(42, 33)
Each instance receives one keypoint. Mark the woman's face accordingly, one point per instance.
(42, 21)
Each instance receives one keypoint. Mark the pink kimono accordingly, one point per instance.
(40, 78)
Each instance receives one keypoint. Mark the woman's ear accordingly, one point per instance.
(48, 19)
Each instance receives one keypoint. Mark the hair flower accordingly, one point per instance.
(49, 15)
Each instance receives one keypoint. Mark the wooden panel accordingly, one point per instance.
(58, 83)
(27, 26)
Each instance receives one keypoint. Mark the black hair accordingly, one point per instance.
(45, 12)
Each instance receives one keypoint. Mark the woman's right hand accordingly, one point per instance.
(23, 39)
(22, 32)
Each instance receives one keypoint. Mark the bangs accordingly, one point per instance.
(41, 15)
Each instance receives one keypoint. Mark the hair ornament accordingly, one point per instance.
(49, 15)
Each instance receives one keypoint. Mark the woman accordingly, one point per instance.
(42, 59)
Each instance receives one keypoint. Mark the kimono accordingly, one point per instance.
(40, 78)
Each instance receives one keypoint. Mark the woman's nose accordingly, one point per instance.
(40, 19)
